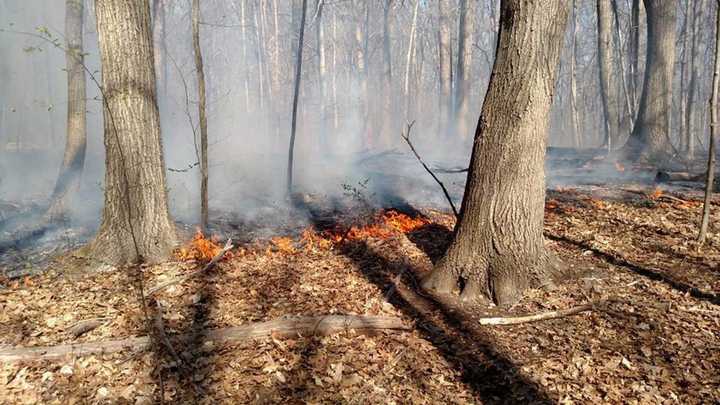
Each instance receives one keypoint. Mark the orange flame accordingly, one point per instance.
(201, 249)
(386, 225)
(656, 194)
(283, 244)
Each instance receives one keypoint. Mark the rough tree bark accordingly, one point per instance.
(607, 76)
(202, 114)
(136, 225)
(74, 158)
(498, 249)
(649, 140)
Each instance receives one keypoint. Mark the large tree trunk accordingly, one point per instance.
(202, 114)
(649, 140)
(607, 76)
(74, 158)
(498, 250)
(136, 225)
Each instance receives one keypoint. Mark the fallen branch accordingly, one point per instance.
(514, 320)
(291, 327)
(406, 136)
(82, 327)
(228, 246)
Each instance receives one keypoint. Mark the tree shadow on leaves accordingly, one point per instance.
(459, 339)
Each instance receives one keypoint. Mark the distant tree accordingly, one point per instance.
(296, 96)
(68, 180)
(202, 114)
(710, 181)
(498, 250)
(445, 55)
(136, 224)
(607, 74)
(461, 102)
(650, 138)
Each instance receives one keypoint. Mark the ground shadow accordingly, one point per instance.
(490, 374)
(643, 271)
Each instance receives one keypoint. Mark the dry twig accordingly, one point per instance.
(514, 320)
(406, 136)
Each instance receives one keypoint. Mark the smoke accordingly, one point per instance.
(344, 145)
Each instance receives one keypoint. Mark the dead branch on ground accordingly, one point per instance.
(291, 327)
(515, 320)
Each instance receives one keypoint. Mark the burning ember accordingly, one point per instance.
(201, 249)
(656, 194)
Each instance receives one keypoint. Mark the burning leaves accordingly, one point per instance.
(201, 249)
(385, 225)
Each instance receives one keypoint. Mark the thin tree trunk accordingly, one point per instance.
(695, 57)
(635, 49)
(71, 169)
(577, 139)
(411, 48)
(202, 114)
(604, 23)
(713, 130)
(445, 59)
(498, 250)
(336, 116)
(361, 44)
(322, 72)
(464, 65)
(136, 224)
(296, 95)
(387, 128)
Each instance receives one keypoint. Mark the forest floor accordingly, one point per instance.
(656, 340)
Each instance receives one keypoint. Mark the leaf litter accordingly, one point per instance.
(657, 341)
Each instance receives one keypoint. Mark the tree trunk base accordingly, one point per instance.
(494, 280)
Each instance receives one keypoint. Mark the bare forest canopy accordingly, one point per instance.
(368, 68)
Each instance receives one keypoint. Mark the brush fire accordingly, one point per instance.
(201, 249)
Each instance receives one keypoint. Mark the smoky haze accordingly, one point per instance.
(349, 119)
